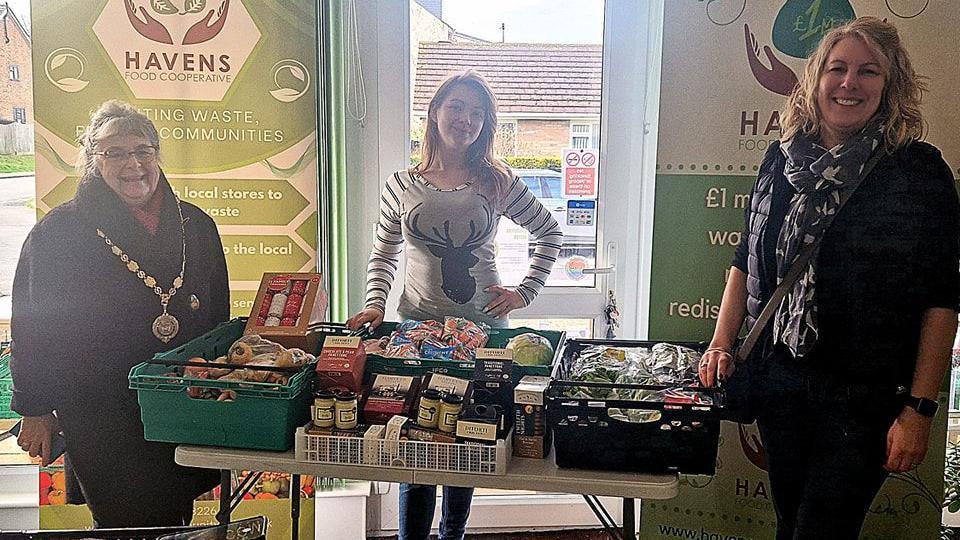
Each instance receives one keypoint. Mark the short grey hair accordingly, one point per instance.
(113, 118)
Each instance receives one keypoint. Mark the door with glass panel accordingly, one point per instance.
(551, 71)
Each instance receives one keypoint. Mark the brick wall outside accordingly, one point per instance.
(15, 93)
(542, 137)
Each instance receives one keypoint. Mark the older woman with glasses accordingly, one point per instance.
(120, 272)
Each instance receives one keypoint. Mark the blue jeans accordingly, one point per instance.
(418, 503)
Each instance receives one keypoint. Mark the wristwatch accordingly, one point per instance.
(924, 406)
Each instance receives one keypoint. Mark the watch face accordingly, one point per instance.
(927, 407)
(924, 406)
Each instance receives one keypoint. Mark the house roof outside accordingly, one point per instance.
(7, 15)
(531, 78)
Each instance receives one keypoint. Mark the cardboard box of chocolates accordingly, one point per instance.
(286, 305)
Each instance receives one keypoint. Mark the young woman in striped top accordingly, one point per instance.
(446, 210)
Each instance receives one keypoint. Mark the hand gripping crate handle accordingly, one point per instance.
(364, 331)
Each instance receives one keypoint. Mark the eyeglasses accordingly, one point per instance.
(144, 154)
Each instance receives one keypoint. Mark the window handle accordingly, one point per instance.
(602, 270)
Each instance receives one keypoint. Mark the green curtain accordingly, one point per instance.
(334, 181)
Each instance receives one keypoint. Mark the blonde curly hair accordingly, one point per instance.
(902, 92)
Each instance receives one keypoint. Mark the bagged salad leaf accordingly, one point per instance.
(662, 364)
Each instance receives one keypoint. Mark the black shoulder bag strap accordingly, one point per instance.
(798, 268)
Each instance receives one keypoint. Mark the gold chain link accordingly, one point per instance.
(148, 280)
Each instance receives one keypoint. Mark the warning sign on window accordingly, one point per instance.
(579, 173)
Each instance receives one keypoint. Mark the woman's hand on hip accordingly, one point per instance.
(506, 301)
(907, 441)
(373, 316)
(716, 365)
(36, 436)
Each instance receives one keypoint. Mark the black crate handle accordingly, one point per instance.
(364, 331)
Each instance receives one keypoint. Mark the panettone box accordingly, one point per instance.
(287, 303)
(340, 363)
(390, 395)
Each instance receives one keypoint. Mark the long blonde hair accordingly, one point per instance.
(902, 92)
(479, 158)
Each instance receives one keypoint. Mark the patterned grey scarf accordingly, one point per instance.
(818, 175)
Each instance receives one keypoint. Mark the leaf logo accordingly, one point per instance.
(289, 70)
(202, 31)
(71, 61)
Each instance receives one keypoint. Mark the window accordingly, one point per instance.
(14, 73)
(20, 115)
(580, 136)
(584, 136)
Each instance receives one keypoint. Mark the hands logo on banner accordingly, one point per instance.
(205, 29)
(799, 26)
(752, 446)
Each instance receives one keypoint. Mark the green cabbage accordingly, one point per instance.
(531, 349)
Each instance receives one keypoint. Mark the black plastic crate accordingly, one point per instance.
(681, 437)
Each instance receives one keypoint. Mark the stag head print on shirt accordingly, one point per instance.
(456, 261)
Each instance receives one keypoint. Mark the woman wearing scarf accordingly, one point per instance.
(846, 376)
(120, 272)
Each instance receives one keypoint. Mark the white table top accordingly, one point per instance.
(522, 473)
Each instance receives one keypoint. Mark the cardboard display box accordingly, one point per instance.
(341, 362)
(286, 305)
(390, 395)
(531, 437)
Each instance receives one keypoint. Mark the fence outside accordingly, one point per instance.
(16, 138)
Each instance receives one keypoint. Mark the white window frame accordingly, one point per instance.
(14, 72)
(20, 115)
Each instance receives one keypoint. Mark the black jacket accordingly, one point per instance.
(81, 320)
(892, 252)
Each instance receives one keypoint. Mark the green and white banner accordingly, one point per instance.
(736, 61)
(232, 88)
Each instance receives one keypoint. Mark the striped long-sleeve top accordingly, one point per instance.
(450, 238)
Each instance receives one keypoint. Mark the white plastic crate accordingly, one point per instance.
(419, 455)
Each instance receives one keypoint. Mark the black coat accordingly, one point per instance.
(81, 320)
(891, 253)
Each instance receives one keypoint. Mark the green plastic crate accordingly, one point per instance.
(264, 416)
(6, 388)
(498, 338)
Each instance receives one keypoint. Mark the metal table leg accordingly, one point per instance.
(609, 525)
(295, 507)
(629, 519)
(228, 500)
(223, 515)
